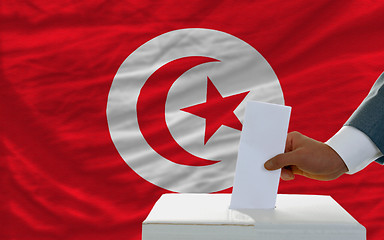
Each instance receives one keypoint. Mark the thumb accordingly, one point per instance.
(280, 161)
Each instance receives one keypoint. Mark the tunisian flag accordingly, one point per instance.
(65, 173)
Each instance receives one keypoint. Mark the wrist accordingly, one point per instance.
(339, 166)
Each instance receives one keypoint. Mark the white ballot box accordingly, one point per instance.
(208, 217)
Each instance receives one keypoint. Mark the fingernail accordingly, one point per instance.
(286, 176)
(268, 165)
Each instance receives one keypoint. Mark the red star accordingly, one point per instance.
(217, 110)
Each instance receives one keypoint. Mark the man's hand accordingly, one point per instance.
(307, 157)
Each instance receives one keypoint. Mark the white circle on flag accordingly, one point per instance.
(239, 68)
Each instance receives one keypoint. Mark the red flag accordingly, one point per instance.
(62, 176)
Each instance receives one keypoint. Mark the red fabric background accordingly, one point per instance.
(62, 178)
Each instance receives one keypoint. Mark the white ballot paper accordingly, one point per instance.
(263, 136)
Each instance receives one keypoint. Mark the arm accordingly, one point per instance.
(369, 116)
(313, 159)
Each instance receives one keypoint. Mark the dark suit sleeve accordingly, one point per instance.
(369, 116)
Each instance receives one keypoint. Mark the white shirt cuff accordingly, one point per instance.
(355, 148)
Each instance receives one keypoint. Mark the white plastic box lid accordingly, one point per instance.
(207, 216)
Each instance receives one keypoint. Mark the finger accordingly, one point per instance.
(296, 170)
(320, 177)
(292, 137)
(287, 174)
(281, 160)
(289, 142)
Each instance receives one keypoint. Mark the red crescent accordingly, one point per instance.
(151, 111)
